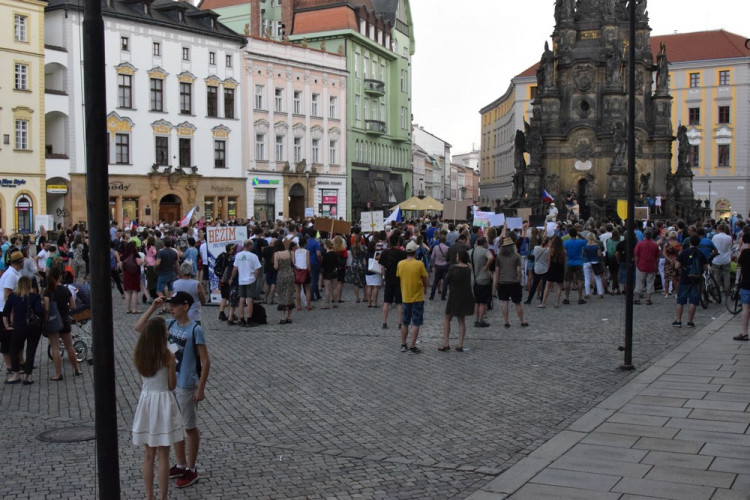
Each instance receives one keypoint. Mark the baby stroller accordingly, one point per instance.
(80, 319)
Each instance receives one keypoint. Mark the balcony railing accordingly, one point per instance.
(374, 87)
(375, 127)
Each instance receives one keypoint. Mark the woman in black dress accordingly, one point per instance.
(460, 300)
(556, 272)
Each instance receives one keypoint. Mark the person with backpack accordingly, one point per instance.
(22, 316)
(220, 265)
(188, 343)
(690, 264)
(58, 302)
(131, 274)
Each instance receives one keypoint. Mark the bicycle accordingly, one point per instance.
(709, 288)
(733, 303)
(81, 321)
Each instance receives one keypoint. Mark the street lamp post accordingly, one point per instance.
(710, 208)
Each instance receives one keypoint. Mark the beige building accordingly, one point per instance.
(21, 114)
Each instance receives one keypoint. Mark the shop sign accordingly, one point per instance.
(12, 183)
(330, 183)
(118, 186)
(57, 189)
(331, 200)
(222, 189)
(261, 182)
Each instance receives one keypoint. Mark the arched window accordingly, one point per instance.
(24, 214)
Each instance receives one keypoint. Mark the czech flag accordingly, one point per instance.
(546, 197)
(186, 220)
(395, 216)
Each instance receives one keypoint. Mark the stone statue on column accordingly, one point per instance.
(683, 150)
(662, 71)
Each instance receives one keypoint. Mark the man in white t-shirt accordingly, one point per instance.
(41, 260)
(246, 269)
(7, 284)
(721, 263)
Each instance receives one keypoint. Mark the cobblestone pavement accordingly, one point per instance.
(328, 407)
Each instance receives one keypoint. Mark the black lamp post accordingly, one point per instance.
(710, 208)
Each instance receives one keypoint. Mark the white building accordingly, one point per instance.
(439, 154)
(173, 103)
(295, 125)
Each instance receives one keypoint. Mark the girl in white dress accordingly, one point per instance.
(157, 423)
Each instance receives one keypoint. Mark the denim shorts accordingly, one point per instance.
(689, 294)
(413, 313)
(745, 296)
(165, 280)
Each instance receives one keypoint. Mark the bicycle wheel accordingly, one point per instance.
(733, 303)
(713, 290)
(704, 297)
(82, 350)
(62, 350)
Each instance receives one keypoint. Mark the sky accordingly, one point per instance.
(468, 51)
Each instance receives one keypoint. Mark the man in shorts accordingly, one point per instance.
(246, 270)
(574, 265)
(413, 277)
(690, 288)
(743, 263)
(481, 259)
(166, 267)
(187, 341)
(509, 271)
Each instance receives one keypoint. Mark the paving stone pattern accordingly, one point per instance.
(327, 407)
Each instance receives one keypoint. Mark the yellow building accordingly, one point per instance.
(710, 83)
(21, 114)
(500, 120)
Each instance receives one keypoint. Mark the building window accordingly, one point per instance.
(723, 155)
(316, 150)
(162, 150)
(22, 76)
(122, 149)
(157, 94)
(333, 107)
(365, 66)
(212, 100)
(297, 149)
(229, 61)
(124, 91)
(694, 116)
(279, 148)
(297, 102)
(259, 96)
(532, 92)
(314, 102)
(695, 80)
(156, 49)
(212, 58)
(185, 152)
(260, 146)
(22, 134)
(356, 65)
(228, 103)
(356, 107)
(333, 153)
(278, 100)
(724, 114)
(124, 43)
(186, 98)
(220, 154)
(724, 77)
(695, 156)
(185, 54)
(403, 81)
(20, 28)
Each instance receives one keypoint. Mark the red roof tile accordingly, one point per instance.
(314, 21)
(697, 46)
(217, 4)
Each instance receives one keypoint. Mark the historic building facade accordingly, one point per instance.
(439, 160)
(709, 79)
(173, 100)
(22, 114)
(295, 145)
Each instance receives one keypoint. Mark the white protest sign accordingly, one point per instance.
(482, 219)
(43, 220)
(309, 212)
(217, 239)
(551, 227)
(497, 220)
(372, 221)
(514, 222)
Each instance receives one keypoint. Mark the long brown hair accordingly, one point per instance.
(23, 287)
(151, 352)
(557, 250)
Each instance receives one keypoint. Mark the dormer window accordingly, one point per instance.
(213, 23)
(147, 8)
(181, 16)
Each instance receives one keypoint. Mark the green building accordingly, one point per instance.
(377, 38)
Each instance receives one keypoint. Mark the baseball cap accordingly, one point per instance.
(181, 298)
(412, 247)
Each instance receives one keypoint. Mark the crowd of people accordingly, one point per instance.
(292, 265)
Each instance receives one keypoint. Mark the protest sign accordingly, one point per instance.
(217, 239)
(372, 221)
